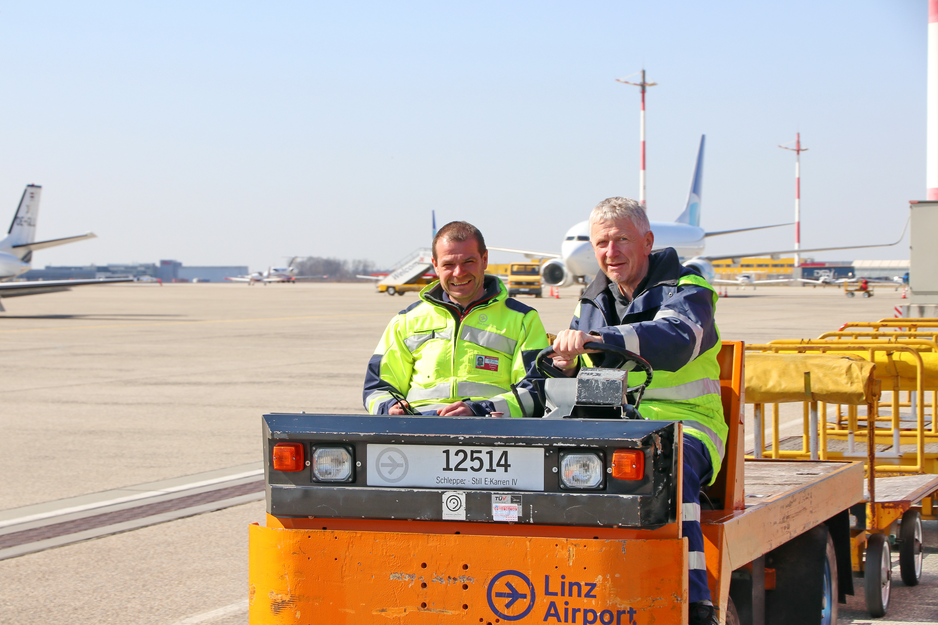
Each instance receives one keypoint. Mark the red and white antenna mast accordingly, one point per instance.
(641, 176)
(797, 150)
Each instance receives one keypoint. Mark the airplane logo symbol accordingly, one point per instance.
(391, 465)
(512, 596)
(505, 599)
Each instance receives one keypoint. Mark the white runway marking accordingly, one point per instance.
(135, 497)
(207, 617)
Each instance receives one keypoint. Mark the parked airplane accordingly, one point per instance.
(273, 274)
(16, 252)
(577, 262)
(746, 279)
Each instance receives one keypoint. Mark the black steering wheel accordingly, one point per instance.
(623, 356)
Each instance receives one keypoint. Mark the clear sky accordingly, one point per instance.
(242, 133)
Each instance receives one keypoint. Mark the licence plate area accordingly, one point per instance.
(456, 467)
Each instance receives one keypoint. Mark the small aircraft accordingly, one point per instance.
(746, 279)
(577, 262)
(273, 274)
(16, 252)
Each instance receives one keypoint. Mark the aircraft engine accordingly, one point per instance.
(704, 267)
(554, 273)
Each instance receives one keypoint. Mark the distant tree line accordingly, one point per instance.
(333, 269)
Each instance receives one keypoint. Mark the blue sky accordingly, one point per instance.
(243, 133)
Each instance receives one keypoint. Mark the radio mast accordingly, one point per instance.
(641, 176)
(797, 150)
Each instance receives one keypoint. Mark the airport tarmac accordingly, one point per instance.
(122, 392)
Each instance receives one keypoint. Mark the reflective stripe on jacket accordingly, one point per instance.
(670, 323)
(433, 354)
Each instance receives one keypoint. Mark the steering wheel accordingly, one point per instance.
(623, 356)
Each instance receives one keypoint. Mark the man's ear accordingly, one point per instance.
(485, 260)
(649, 241)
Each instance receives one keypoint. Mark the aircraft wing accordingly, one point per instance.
(41, 245)
(363, 277)
(526, 253)
(780, 253)
(240, 279)
(38, 287)
(718, 233)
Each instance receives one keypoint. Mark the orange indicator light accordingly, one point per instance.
(288, 457)
(628, 464)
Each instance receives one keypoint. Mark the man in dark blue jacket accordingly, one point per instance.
(650, 304)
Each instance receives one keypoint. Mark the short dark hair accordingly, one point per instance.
(459, 231)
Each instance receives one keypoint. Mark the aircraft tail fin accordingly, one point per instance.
(691, 214)
(433, 217)
(23, 228)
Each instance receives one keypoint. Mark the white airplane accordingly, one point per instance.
(577, 262)
(273, 274)
(16, 252)
(746, 279)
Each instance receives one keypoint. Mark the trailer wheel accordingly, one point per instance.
(877, 573)
(910, 547)
(391, 290)
(831, 585)
(849, 293)
(732, 617)
(401, 293)
(867, 294)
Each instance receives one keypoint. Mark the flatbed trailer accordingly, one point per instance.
(401, 540)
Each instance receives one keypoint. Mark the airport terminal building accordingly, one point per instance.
(165, 270)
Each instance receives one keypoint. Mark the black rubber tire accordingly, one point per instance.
(391, 290)
(829, 609)
(911, 552)
(849, 293)
(401, 293)
(877, 575)
(732, 618)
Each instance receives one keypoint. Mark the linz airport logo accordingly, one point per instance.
(512, 597)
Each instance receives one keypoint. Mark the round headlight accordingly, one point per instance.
(581, 470)
(332, 464)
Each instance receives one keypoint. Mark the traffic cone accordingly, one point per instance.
(904, 289)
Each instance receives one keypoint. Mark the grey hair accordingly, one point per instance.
(614, 208)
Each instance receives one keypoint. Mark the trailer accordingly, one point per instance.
(566, 519)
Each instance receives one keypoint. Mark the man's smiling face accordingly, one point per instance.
(622, 252)
(461, 269)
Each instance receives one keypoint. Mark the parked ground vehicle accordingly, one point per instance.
(559, 520)
(411, 287)
(524, 279)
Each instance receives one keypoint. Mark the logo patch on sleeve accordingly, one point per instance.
(489, 363)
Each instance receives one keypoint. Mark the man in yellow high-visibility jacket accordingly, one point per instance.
(465, 348)
(650, 304)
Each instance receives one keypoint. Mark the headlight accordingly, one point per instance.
(581, 470)
(332, 464)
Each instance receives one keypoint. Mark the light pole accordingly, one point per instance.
(797, 150)
(641, 176)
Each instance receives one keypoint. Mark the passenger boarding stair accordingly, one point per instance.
(409, 269)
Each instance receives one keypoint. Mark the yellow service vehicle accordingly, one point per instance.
(524, 279)
(411, 287)
(572, 518)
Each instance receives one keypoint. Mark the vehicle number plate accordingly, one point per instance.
(442, 466)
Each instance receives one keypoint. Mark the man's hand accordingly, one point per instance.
(568, 345)
(456, 409)
(398, 408)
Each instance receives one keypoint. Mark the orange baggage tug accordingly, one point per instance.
(414, 519)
